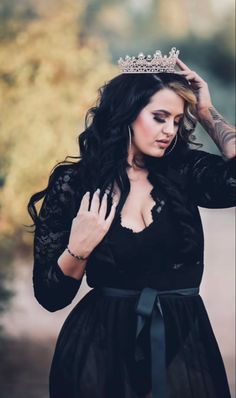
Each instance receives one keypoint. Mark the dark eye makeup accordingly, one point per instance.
(158, 119)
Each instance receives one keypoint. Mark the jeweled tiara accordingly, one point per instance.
(149, 64)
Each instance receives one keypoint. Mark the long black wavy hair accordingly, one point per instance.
(104, 142)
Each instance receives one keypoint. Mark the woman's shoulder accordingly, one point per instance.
(65, 173)
(63, 190)
(194, 158)
(65, 182)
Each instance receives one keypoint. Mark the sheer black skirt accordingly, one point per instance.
(94, 355)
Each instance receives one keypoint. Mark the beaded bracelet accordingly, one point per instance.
(75, 256)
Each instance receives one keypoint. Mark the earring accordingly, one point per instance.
(129, 137)
(167, 153)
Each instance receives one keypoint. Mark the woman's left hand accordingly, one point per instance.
(199, 86)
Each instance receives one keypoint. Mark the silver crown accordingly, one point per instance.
(149, 64)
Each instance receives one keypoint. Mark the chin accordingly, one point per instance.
(158, 154)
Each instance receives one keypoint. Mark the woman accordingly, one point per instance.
(143, 331)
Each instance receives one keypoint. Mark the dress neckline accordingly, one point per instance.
(157, 201)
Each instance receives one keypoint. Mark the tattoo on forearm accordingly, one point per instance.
(222, 133)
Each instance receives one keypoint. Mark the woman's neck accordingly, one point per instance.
(136, 160)
(136, 173)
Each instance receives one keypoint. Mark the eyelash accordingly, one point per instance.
(163, 121)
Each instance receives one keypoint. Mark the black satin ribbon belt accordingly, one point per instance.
(149, 306)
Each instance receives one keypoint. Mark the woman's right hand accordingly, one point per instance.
(90, 226)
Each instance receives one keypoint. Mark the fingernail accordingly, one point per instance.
(98, 190)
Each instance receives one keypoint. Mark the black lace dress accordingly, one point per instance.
(98, 354)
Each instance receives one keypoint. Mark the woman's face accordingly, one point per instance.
(158, 120)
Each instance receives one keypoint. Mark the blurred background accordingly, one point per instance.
(54, 55)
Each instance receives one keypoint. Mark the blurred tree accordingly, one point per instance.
(14, 15)
(49, 80)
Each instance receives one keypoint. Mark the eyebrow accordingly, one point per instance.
(166, 112)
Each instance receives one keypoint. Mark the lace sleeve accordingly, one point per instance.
(212, 180)
(52, 288)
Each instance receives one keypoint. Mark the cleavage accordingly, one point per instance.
(137, 211)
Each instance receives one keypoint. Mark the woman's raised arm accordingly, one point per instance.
(221, 132)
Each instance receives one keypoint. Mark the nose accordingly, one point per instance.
(169, 127)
